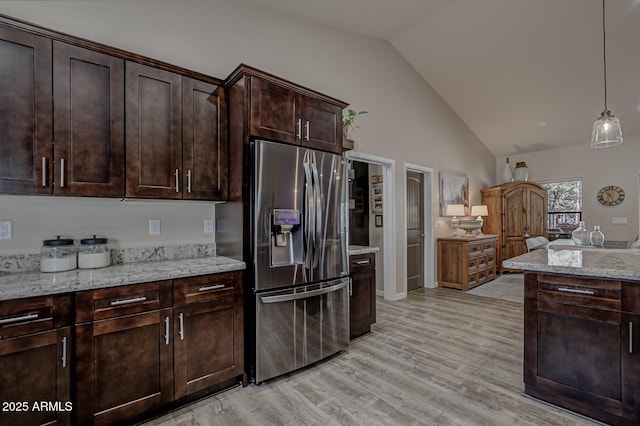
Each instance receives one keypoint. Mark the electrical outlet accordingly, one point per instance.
(208, 226)
(154, 226)
(6, 232)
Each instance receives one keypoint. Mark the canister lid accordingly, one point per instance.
(58, 242)
(93, 241)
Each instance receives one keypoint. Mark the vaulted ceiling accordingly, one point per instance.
(524, 75)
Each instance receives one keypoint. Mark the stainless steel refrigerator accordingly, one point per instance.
(300, 284)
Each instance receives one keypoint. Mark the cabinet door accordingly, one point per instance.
(515, 224)
(208, 344)
(322, 125)
(124, 367)
(25, 113)
(362, 303)
(204, 141)
(153, 130)
(89, 122)
(35, 372)
(631, 364)
(276, 112)
(537, 213)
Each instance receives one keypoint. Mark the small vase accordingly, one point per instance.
(507, 175)
(521, 172)
(597, 237)
(580, 235)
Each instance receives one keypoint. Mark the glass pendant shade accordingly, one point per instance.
(606, 131)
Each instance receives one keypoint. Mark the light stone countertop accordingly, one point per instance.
(353, 250)
(621, 264)
(28, 284)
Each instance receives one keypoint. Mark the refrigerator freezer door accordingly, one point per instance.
(297, 327)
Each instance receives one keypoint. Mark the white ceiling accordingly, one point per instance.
(524, 75)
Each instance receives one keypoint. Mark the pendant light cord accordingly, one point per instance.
(604, 57)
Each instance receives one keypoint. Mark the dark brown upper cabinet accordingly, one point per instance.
(26, 119)
(176, 136)
(88, 108)
(205, 148)
(285, 112)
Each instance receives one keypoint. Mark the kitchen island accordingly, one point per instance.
(581, 306)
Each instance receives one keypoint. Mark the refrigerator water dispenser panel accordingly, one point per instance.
(286, 237)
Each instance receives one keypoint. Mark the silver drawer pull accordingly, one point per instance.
(127, 301)
(166, 330)
(362, 262)
(176, 175)
(22, 318)
(181, 328)
(574, 290)
(211, 287)
(62, 173)
(64, 352)
(44, 171)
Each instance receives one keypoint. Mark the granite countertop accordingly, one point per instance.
(28, 284)
(353, 250)
(593, 262)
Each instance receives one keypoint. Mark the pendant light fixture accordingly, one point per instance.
(606, 129)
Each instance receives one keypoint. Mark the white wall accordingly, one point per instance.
(598, 168)
(407, 120)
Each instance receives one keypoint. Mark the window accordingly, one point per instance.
(564, 202)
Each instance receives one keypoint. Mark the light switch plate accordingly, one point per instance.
(6, 231)
(208, 226)
(154, 226)
(619, 221)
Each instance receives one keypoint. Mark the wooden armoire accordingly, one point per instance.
(517, 211)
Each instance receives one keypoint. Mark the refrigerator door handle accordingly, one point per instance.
(303, 295)
(308, 214)
(317, 212)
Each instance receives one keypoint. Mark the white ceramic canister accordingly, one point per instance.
(58, 255)
(93, 253)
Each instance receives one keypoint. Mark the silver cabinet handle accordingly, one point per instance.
(306, 129)
(189, 181)
(44, 171)
(176, 175)
(299, 134)
(211, 287)
(62, 173)
(181, 329)
(574, 290)
(630, 337)
(166, 330)
(64, 352)
(362, 262)
(22, 318)
(126, 301)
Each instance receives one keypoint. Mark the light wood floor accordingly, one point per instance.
(439, 357)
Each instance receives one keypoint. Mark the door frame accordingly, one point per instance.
(388, 211)
(427, 197)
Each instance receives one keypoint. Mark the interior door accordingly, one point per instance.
(415, 230)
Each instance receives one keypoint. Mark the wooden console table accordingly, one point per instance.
(466, 262)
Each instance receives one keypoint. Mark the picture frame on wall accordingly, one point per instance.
(454, 189)
(378, 221)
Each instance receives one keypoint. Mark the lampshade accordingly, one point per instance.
(606, 129)
(455, 210)
(479, 210)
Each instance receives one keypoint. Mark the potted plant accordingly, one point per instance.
(348, 127)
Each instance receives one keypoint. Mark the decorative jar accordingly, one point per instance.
(597, 237)
(93, 253)
(521, 172)
(581, 235)
(58, 255)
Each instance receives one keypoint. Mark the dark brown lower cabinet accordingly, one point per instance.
(208, 332)
(362, 303)
(579, 350)
(142, 347)
(36, 356)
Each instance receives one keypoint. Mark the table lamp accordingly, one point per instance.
(480, 211)
(455, 210)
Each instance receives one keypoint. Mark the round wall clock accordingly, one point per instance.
(610, 195)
